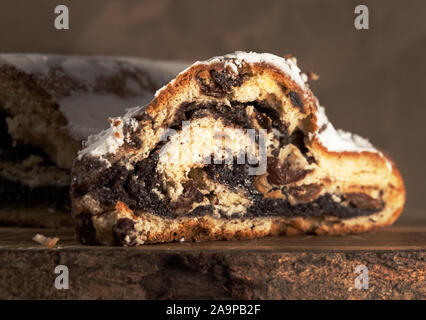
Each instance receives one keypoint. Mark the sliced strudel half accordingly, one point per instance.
(235, 147)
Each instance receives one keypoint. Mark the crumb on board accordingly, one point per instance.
(48, 242)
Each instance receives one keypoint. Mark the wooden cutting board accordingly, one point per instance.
(299, 267)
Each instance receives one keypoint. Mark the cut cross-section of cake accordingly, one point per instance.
(236, 147)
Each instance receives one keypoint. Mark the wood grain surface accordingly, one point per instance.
(300, 267)
(388, 239)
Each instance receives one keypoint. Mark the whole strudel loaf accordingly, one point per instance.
(48, 105)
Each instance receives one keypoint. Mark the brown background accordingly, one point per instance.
(372, 81)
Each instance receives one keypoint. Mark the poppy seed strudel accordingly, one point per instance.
(235, 147)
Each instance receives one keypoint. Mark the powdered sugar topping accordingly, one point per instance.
(338, 140)
(109, 140)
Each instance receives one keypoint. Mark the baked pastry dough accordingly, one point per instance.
(235, 147)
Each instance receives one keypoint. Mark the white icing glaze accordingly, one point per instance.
(86, 69)
(29, 63)
(109, 140)
(338, 140)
